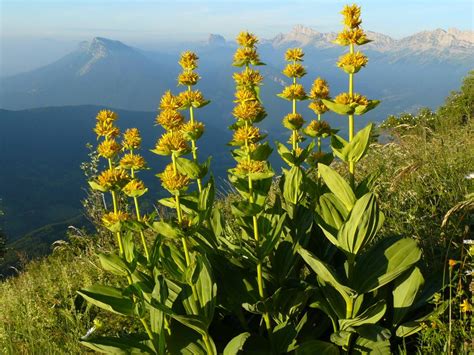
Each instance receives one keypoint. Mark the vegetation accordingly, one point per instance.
(322, 259)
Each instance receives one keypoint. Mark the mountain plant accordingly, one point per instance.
(294, 264)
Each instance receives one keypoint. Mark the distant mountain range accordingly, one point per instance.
(415, 71)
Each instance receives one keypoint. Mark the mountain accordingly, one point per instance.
(101, 71)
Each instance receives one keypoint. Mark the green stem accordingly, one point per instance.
(193, 143)
(115, 204)
(351, 121)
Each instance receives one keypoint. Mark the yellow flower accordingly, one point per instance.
(352, 62)
(294, 54)
(134, 188)
(192, 130)
(110, 179)
(354, 36)
(294, 70)
(253, 166)
(132, 139)
(466, 306)
(247, 39)
(319, 90)
(318, 107)
(249, 134)
(106, 116)
(248, 111)
(248, 77)
(111, 218)
(294, 92)
(173, 181)
(106, 129)
(192, 98)
(188, 78)
(351, 15)
(170, 119)
(108, 148)
(318, 129)
(188, 60)
(293, 121)
(246, 55)
(169, 101)
(132, 161)
(299, 138)
(346, 99)
(244, 95)
(452, 263)
(171, 142)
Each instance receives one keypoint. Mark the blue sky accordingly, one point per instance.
(147, 20)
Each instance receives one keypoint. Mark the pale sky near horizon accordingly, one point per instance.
(146, 20)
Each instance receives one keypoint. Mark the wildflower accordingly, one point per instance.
(132, 161)
(192, 130)
(318, 107)
(253, 166)
(192, 98)
(293, 92)
(112, 218)
(247, 134)
(188, 78)
(244, 95)
(299, 138)
(106, 116)
(248, 77)
(247, 39)
(452, 263)
(346, 99)
(188, 60)
(108, 148)
(352, 62)
(318, 129)
(248, 111)
(171, 142)
(132, 139)
(110, 179)
(319, 90)
(351, 36)
(351, 15)
(169, 101)
(294, 70)
(246, 55)
(293, 121)
(294, 54)
(170, 119)
(106, 129)
(173, 180)
(466, 306)
(134, 188)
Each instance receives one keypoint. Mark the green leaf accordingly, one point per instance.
(404, 293)
(372, 339)
(312, 347)
(108, 298)
(362, 109)
(292, 186)
(262, 152)
(338, 145)
(356, 149)
(330, 215)
(325, 272)
(285, 153)
(364, 221)
(114, 264)
(370, 316)
(189, 168)
(338, 186)
(272, 238)
(206, 197)
(111, 345)
(384, 262)
(245, 209)
(236, 344)
(340, 109)
(206, 290)
(167, 229)
(96, 186)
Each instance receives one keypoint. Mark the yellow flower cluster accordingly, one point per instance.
(108, 149)
(246, 39)
(112, 218)
(319, 90)
(172, 180)
(346, 99)
(132, 161)
(188, 60)
(352, 33)
(294, 70)
(169, 101)
(248, 78)
(111, 179)
(293, 121)
(294, 92)
(245, 56)
(294, 55)
(248, 111)
(192, 98)
(351, 14)
(245, 167)
(134, 188)
(171, 142)
(192, 130)
(318, 129)
(105, 124)
(249, 134)
(188, 78)
(132, 139)
(352, 62)
(170, 119)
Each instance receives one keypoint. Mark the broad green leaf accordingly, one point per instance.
(364, 221)
(108, 298)
(372, 339)
(338, 186)
(111, 345)
(362, 109)
(236, 344)
(114, 263)
(292, 186)
(245, 209)
(167, 229)
(330, 215)
(404, 293)
(356, 149)
(272, 238)
(206, 197)
(337, 145)
(384, 262)
(206, 289)
(262, 152)
(312, 347)
(285, 153)
(370, 316)
(189, 168)
(325, 272)
(340, 109)
(284, 337)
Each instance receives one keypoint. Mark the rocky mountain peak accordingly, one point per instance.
(215, 39)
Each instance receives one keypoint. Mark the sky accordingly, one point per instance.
(158, 20)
